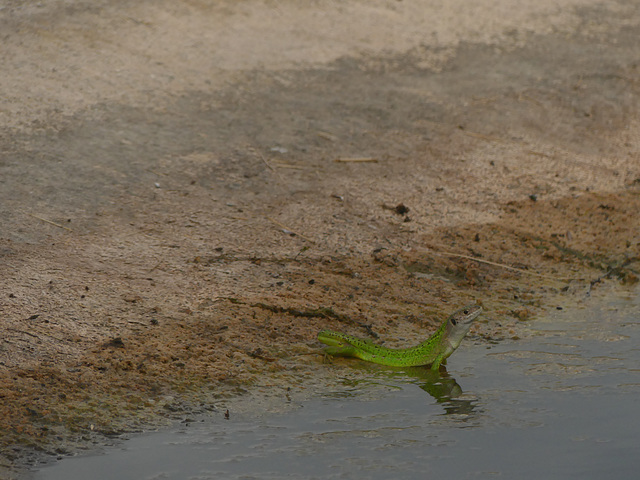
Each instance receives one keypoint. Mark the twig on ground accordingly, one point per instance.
(356, 160)
(501, 265)
(284, 227)
(264, 160)
(47, 221)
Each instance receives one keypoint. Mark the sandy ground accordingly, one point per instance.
(190, 190)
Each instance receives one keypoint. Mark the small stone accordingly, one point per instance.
(401, 209)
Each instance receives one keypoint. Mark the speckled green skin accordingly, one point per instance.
(432, 352)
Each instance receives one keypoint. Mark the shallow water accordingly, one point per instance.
(563, 404)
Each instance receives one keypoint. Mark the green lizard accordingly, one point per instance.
(432, 352)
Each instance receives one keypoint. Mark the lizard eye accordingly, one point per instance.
(466, 312)
(453, 322)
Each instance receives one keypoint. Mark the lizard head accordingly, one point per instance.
(460, 322)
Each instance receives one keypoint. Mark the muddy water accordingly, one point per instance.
(562, 404)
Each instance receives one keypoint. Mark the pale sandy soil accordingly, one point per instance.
(175, 227)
